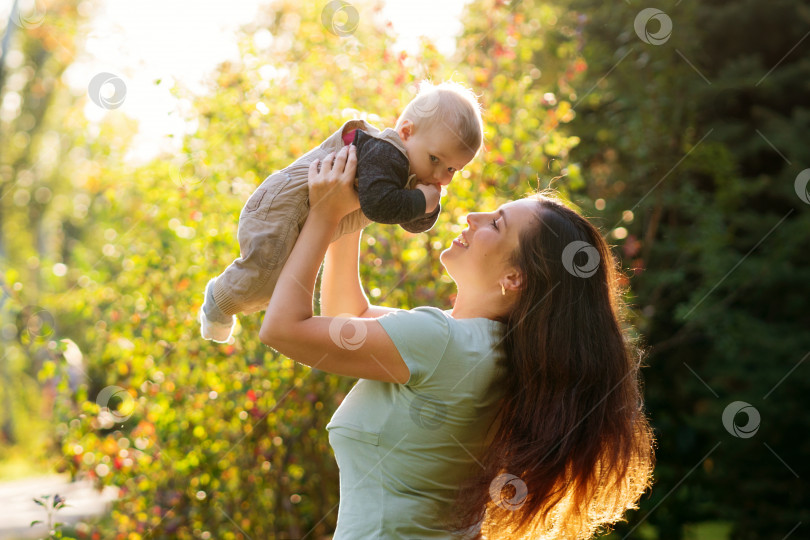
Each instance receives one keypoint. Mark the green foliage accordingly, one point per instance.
(51, 507)
(680, 134)
(30, 188)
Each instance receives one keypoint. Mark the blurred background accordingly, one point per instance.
(132, 133)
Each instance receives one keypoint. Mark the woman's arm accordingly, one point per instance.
(341, 290)
(355, 347)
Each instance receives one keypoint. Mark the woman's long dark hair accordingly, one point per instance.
(572, 448)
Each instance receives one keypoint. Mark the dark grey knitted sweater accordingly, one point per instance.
(382, 174)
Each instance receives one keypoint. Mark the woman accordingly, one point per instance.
(518, 413)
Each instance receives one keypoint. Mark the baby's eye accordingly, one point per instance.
(434, 159)
(495, 223)
(451, 170)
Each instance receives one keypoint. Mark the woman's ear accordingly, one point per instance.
(513, 280)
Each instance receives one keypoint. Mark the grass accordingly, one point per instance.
(33, 425)
(708, 530)
(17, 463)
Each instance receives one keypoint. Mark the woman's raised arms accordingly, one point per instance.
(355, 347)
(341, 290)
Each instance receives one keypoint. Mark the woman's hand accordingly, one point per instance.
(331, 189)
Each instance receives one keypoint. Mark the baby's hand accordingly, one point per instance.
(432, 195)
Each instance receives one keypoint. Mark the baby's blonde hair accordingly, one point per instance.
(450, 104)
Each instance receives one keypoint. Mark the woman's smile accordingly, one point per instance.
(461, 240)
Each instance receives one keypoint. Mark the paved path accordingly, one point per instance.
(18, 510)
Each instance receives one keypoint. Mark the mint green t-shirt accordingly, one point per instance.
(404, 449)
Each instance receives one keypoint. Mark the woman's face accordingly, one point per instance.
(480, 256)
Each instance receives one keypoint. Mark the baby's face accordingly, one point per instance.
(435, 152)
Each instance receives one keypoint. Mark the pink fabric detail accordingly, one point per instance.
(348, 137)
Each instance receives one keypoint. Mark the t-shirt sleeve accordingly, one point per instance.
(421, 336)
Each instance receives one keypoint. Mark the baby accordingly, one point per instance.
(400, 172)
